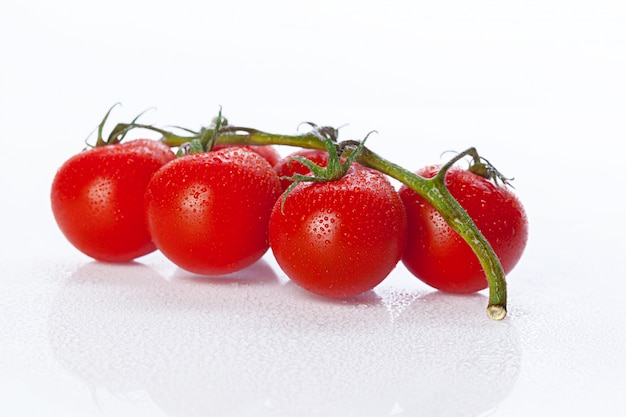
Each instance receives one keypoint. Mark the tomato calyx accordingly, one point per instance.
(335, 168)
(204, 140)
(118, 133)
(481, 167)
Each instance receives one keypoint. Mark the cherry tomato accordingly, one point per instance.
(439, 256)
(97, 202)
(266, 151)
(209, 212)
(340, 238)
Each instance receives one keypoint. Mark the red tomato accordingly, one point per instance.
(266, 151)
(209, 212)
(439, 256)
(340, 238)
(96, 198)
(288, 166)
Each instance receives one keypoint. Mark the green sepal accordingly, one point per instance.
(100, 140)
(208, 136)
(195, 146)
(334, 170)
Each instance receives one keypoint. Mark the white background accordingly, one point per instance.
(539, 87)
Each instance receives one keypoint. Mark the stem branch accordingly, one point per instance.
(437, 194)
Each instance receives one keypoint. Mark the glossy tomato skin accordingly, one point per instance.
(340, 239)
(96, 198)
(209, 212)
(439, 256)
(266, 151)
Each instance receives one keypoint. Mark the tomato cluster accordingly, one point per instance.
(219, 211)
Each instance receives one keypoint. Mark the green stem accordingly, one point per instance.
(256, 137)
(437, 194)
(433, 190)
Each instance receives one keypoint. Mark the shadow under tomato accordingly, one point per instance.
(259, 273)
(367, 298)
(247, 347)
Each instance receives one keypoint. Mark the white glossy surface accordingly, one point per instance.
(538, 89)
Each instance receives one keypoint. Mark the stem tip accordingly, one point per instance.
(496, 312)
